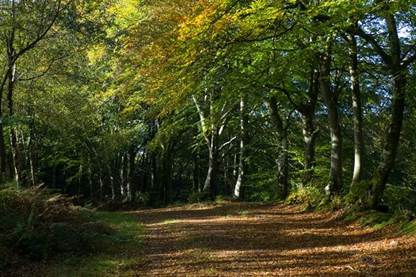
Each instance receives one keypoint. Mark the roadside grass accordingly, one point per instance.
(408, 228)
(380, 220)
(119, 252)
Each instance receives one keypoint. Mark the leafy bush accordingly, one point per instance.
(261, 187)
(37, 224)
(336, 203)
(141, 198)
(311, 196)
(400, 198)
(394, 198)
(196, 197)
(359, 194)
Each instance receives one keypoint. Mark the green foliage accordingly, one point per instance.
(121, 248)
(409, 228)
(261, 187)
(399, 198)
(141, 199)
(38, 225)
(336, 203)
(310, 196)
(222, 199)
(358, 195)
(197, 197)
(401, 218)
(376, 220)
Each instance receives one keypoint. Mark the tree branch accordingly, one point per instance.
(202, 120)
(41, 35)
(370, 39)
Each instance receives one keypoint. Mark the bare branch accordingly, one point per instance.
(227, 143)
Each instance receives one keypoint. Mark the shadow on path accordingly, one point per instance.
(239, 239)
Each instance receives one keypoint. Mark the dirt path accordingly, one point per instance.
(259, 240)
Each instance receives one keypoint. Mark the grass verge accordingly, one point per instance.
(117, 258)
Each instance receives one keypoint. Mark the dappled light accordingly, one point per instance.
(260, 240)
(207, 138)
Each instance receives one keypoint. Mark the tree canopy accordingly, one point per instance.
(154, 102)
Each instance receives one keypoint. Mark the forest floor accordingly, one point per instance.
(240, 239)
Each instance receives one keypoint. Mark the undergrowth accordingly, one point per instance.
(38, 226)
(401, 210)
(117, 258)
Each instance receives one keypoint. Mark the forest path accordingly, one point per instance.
(241, 239)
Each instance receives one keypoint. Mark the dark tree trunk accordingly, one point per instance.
(309, 141)
(283, 164)
(391, 144)
(3, 160)
(195, 173)
(282, 160)
(166, 175)
(310, 132)
(101, 181)
(13, 136)
(132, 183)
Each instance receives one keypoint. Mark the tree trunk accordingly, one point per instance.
(112, 185)
(226, 166)
(32, 148)
(131, 185)
(167, 174)
(210, 180)
(241, 163)
(211, 137)
(391, 143)
(100, 177)
(122, 173)
(13, 135)
(283, 164)
(392, 140)
(90, 182)
(309, 131)
(357, 111)
(3, 161)
(195, 173)
(282, 160)
(80, 175)
(309, 140)
(330, 97)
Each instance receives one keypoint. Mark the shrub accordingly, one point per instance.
(400, 198)
(142, 198)
(37, 224)
(336, 203)
(196, 197)
(359, 194)
(311, 196)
